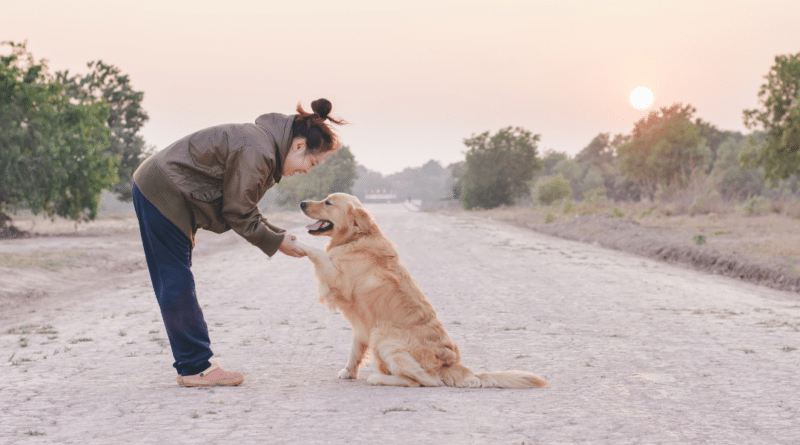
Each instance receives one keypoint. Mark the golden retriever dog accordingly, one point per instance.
(361, 275)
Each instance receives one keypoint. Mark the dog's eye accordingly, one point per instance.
(328, 203)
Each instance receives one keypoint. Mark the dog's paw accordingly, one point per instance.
(311, 252)
(347, 374)
(305, 247)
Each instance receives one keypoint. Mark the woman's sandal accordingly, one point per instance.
(213, 376)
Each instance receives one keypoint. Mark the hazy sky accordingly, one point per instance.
(414, 78)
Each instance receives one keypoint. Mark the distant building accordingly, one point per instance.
(380, 195)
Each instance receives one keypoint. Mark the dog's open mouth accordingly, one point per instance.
(319, 227)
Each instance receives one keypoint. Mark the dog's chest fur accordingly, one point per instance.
(378, 285)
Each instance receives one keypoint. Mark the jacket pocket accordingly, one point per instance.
(208, 195)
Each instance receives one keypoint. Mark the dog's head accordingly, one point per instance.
(340, 216)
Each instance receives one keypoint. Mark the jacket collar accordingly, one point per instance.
(279, 127)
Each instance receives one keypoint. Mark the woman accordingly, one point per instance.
(213, 180)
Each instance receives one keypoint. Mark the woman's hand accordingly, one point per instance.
(288, 247)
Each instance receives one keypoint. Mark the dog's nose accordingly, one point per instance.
(303, 205)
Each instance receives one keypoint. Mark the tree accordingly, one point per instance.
(427, 183)
(779, 117)
(455, 183)
(714, 138)
(550, 160)
(499, 167)
(368, 181)
(126, 116)
(730, 178)
(336, 174)
(595, 166)
(52, 147)
(600, 151)
(664, 149)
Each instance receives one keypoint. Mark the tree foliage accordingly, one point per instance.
(730, 178)
(52, 146)
(499, 167)
(779, 117)
(595, 167)
(550, 160)
(455, 183)
(714, 138)
(427, 183)
(336, 174)
(368, 182)
(601, 150)
(126, 116)
(665, 148)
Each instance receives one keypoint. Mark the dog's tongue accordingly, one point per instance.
(316, 226)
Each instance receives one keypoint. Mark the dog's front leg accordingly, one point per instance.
(326, 273)
(357, 352)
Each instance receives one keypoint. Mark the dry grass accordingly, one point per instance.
(768, 237)
(43, 260)
(762, 229)
(110, 224)
(103, 225)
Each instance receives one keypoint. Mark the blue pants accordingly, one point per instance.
(169, 258)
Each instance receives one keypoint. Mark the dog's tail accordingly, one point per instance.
(510, 379)
(460, 376)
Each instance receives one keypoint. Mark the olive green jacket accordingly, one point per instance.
(214, 178)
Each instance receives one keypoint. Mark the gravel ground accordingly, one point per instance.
(635, 350)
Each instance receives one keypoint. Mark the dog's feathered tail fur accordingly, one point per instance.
(460, 376)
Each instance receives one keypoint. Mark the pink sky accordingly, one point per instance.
(415, 78)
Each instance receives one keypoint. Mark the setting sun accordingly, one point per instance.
(641, 98)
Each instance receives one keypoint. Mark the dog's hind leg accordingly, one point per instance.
(357, 352)
(390, 380)
(400, 363)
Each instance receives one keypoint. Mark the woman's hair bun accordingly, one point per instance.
(319, 136)
(322, 107)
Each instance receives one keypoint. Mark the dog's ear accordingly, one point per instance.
(362, 220)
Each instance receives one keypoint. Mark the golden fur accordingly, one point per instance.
(361, 275)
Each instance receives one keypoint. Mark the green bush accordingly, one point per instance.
(699, 239)
(552, 189)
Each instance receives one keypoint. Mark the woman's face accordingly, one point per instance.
(298, 161)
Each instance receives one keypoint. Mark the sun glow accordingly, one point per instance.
(641, 98)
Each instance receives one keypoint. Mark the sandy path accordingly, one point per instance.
(636, 351)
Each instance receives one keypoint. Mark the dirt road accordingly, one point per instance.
(636, 351)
